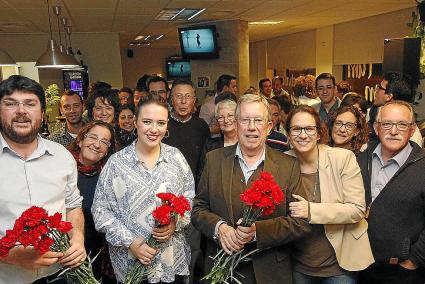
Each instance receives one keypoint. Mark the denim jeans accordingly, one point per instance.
(347, 278)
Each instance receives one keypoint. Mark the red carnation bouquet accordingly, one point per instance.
(35, 228)
(172, 207)
(260, 199)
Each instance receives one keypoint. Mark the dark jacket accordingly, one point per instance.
(212, 143)
(274, 233)
(397, 216)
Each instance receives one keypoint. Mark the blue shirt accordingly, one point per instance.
(382, 171)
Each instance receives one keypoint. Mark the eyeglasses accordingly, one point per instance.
(401, 125)
(309, 130)
(348, 125)
(159, 93)
(379, 87)
(158, 123)
(185, 96)
(229, 118)
(94, 138)
(256, 120)
(14, 105)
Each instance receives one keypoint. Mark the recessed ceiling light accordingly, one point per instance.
(175, 14)
(196, 14)
(266, 23)
(142, 37)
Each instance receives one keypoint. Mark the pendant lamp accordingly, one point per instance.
(53, 58)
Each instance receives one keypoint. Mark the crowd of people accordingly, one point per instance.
(351, 173)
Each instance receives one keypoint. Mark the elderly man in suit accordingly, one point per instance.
(217, 208)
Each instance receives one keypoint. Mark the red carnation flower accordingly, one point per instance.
(180, 205)
(166, 196)
(162, 214)
(55, 220)
(64, 227)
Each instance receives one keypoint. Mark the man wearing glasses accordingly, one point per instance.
(158, 85)
(187, 133)
(393, 177)
(392, 87)
(34, 172)
(217, 207)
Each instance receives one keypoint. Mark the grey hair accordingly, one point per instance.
(253, 98)
(400, 103)
(226, 103)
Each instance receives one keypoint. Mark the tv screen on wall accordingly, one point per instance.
(199, 42)
(178, 68)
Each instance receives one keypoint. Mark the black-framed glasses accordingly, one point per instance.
(309, 130)
(159, 92)
(348, 125)
(379, 87)
(400, 125)
(94, 138)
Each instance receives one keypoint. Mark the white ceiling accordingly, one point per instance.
(136, 17)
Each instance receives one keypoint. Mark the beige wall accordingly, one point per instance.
(100, 52)
(234, 56)
(359, 41)
(146, 60)
(362, 41)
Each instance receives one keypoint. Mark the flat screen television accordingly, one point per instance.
(178, 68)
(199, 42)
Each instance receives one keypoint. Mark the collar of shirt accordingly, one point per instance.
(246, 170)
(42, 148)
(400, 158)
(334, 106)
(130, 152)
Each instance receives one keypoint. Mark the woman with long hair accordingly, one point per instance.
(348, 129)
(338, 245)
(91, 149)
(126, 196)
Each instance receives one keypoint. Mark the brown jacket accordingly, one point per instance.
(342, 207)
(213, 203)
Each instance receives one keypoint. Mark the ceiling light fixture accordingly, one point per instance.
(178, 13)
(147, 37)
(196, 14)
(159, 37)
(266, 23)
(53, 58)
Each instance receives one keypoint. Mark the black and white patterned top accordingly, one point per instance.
(61, 135)
(123, 205)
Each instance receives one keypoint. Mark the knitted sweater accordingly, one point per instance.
(397, 216)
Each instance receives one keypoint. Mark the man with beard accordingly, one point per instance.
(71, 106)
(34, 172)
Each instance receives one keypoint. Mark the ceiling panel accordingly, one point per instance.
(131, 17)
(89, 4)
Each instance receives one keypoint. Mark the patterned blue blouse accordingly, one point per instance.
(123, 205)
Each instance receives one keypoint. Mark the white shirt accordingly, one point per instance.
(48, 178)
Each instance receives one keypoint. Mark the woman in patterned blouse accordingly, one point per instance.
(125, 198)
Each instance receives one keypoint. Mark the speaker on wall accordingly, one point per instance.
(130, 53)
(402, 55)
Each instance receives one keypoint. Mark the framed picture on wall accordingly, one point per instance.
(203, 82)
